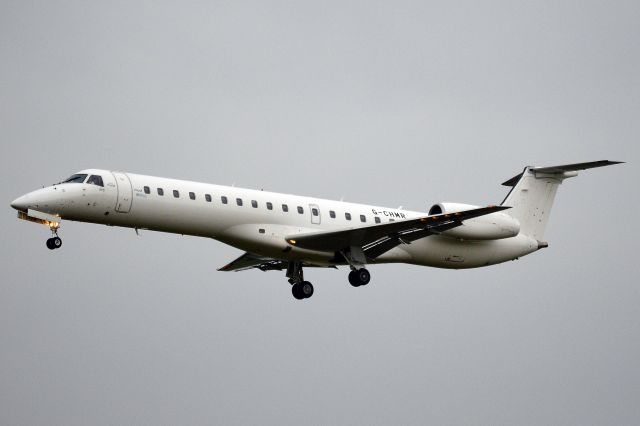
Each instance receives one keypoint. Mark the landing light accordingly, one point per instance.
(293, 242)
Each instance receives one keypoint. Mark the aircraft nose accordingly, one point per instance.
(21, 203)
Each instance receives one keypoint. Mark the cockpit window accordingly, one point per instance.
(96, 180)
(79, 178)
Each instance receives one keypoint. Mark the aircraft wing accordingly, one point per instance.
(250, 260)
(377, 239)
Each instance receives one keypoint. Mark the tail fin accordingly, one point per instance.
(533, 192)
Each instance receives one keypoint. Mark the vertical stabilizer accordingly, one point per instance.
(534, 191)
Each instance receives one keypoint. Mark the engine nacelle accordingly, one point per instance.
(493, 226)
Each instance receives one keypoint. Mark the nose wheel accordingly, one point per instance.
(54, 242)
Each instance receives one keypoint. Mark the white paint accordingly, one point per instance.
(246, 222)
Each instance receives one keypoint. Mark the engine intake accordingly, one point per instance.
(494, 226)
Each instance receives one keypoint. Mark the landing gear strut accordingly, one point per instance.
(55, 241)
(356, 258)
(359, 277)
(300, 289)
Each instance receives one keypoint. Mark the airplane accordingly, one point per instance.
(289, 233)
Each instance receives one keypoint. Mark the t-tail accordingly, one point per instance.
(533, 192)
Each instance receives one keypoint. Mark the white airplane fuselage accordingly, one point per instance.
(257, 223)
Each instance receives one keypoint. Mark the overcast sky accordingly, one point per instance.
(389, 103)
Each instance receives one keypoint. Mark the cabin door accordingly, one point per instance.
(315, 214)
(125, 192)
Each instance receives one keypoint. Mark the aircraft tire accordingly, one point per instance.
(50, 245)
(56, 242)
(353, 279)
(296, 291)
(306, 289)
(363, 276)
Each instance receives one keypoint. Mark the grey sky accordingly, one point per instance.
(403, 103)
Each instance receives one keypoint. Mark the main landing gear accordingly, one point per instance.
(300, 288)
(54, 242)
(358, 277)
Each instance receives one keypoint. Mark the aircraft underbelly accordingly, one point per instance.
(450, 253)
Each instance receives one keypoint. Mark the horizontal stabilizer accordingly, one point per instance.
(562, 169)
(575, 167)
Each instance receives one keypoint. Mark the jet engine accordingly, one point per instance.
(494, 226)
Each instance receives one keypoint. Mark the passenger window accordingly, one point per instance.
(347, 216)
(269, 205)
(314, 211)
(160, 191)
(332, 214)
(363, 218)
(192, 195)
(224, 199)
(147, 190)
(239, 201)
(285, 208)
(377, 219)
(254, 204)
(300, 210)
(176, 193)
(392, 220)
(97, 180)
(207, 197)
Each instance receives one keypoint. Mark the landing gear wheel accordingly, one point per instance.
(54, 243)
(302, 290)
(57, 242)
(363, 276)
(353, 279)
(296, 291)
(359, 277)
(306, 288)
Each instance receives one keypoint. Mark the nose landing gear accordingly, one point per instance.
(54, 242)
